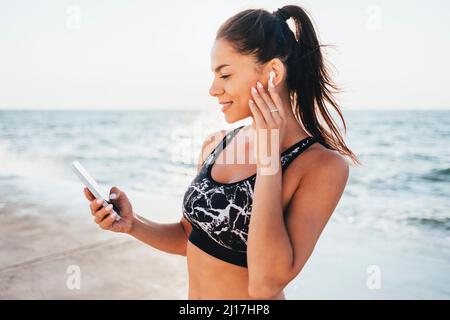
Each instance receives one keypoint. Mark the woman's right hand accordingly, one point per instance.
(104, 218)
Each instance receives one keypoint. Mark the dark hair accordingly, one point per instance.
(265, 36)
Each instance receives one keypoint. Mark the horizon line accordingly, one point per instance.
(207, 110)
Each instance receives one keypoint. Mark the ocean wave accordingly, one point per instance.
(438, 175)
(434, 223)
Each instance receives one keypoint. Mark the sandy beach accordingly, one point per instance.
(38, 248)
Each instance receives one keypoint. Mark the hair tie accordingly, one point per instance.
(282, 14)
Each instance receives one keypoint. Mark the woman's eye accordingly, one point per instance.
(224, 77)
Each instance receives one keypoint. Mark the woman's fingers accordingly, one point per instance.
(259, 118)
(275, 97)
(276, 115)
(104, 216)
(262, 106)
(117, 193)
(265, 96)
(108, 221)
(88, 194)
(95, 204)
(102, 213)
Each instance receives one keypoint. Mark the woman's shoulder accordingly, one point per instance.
(318, 158)
(324, 162)
(317, 155)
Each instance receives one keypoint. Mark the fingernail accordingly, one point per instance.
(99, 201)
(250, 102)
(259, 84)
(254, 90)
(109, 207)
(112, 216)
(113, 196)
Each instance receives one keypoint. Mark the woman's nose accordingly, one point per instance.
(215, 90)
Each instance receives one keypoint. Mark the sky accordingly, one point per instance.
(139, 54)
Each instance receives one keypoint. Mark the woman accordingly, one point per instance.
(291, 184)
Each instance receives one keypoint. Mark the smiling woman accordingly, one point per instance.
(263, 223)
(247, 230)
(254, 41)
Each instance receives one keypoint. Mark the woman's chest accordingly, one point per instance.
(238, 175)
(221, 196)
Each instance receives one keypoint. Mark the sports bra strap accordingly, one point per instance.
(224, 142)
(287, 156)
(295, 150)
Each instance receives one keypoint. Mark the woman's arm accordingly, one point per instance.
(167, 237)
(279, 245)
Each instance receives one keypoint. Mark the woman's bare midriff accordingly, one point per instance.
(211, 278)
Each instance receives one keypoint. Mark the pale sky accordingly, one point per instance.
(139, 54)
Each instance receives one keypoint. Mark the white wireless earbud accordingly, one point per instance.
(271, 77)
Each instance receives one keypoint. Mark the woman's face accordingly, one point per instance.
(233, 81)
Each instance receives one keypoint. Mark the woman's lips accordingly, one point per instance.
(225, 106)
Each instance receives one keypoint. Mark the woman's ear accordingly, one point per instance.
(280, 71)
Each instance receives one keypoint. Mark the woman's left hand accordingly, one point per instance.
(274, 123)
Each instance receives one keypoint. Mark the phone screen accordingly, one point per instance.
(91, 184)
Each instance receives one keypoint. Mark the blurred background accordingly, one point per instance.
(122, 86)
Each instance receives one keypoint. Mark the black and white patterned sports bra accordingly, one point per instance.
(220, 212)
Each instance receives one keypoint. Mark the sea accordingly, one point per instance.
(388, 238)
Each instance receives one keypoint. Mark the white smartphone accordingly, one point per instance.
(93, 186)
